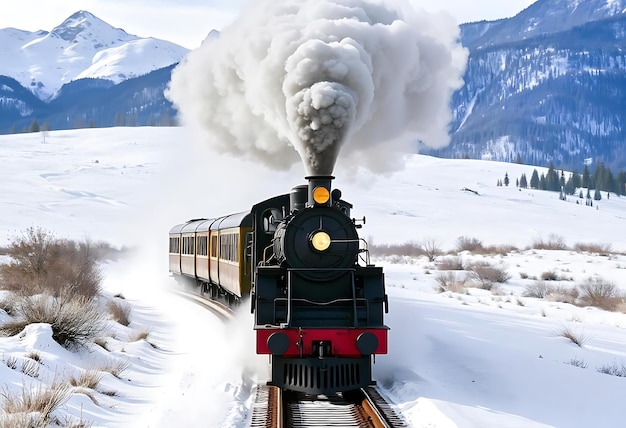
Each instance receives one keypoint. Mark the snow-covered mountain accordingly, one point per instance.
(83, 46)
(547, 85)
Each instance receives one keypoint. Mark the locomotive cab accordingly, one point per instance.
(318, 312)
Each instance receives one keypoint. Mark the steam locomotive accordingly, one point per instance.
(318, 303)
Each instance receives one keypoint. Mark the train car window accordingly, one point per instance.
(214, 246)
(271, 218)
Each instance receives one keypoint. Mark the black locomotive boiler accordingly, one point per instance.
(318, 303)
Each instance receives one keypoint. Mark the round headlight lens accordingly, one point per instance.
(321, 241)
(321, 195)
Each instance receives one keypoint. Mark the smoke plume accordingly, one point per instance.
(320, 77)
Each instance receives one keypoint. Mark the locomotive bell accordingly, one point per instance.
(320, 190)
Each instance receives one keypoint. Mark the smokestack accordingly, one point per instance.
(320, 190)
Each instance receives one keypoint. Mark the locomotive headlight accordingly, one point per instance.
(320, 241)
(321, 195)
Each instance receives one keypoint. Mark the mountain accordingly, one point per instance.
(84, 73)
(83, 46)
(547, 85)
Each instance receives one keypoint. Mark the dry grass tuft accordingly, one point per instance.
(34, 404)
(11, 362)
(119, 311)
(116, 368)
(30, 368)
(88, 379)
(578, 339)
(34, 355)
(449, 281)
(614, 369)
(138, 335)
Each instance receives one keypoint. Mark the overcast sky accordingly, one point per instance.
(187, 22)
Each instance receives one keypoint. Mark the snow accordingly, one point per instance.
(469, 359)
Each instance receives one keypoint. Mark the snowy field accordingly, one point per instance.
(457, 359)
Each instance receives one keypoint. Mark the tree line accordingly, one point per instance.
(601, 179)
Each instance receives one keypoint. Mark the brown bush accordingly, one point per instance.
(410, 249)
(554, 242)
(488, 275)
(466, 243)
(41, 263)
(600, 293)
(602, 249)
(74, 322)
(450, 263)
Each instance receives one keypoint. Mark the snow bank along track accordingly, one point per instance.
(275, 408)
(223, 312)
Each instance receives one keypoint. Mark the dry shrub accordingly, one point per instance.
(74, 322)
(41, 263)
(33, 404)
(431, 249)
(538, 289)
(448, 281)
(119, 311)
(450, 263)
(554, 242)
(466, 243)
(488, 275)
(601, 249)
(475, 246)
(563, 294)
(549, 276)
(410, 249)
(600, 293)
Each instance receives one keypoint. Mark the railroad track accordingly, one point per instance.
(274, 408)
(220, 310)
(365, 408)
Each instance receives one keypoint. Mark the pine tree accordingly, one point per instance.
(522, 182)
(34, 126)
(596, 195)
(534, 180)
(506, 179)
(585, 181)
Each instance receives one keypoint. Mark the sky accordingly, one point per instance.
(465, 359)
(187, 22)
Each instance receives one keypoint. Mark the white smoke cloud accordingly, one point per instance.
(360, 77)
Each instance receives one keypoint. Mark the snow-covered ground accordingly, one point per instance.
(468, 359)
